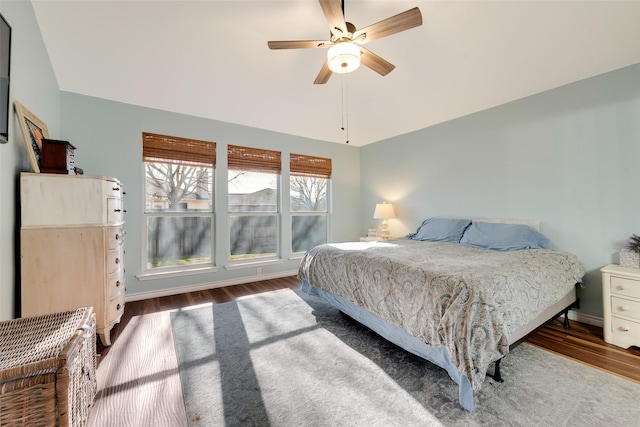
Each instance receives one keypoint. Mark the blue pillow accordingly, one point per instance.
(440, 230)
(503, 237)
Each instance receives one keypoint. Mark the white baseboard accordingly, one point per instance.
(586, 318)
(138, 296)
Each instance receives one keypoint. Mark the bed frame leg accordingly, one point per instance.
(497, 376)
(566, 324)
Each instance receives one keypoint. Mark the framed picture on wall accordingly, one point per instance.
(5, 59)
(33, 130)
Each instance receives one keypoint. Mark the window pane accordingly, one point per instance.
(253, 236)
(308, 231)
(178, 188)
(253, 191)
(308, 194)
(178, 241)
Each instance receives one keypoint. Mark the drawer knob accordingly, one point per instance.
(117, 210)
(625, 328)
(623, 287)
(116, 188)
(117, 260)
(118, 307)
(117, 236)
(118, 284)
(624, 308)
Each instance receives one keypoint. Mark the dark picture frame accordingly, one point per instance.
(5, 68)
(33, 130)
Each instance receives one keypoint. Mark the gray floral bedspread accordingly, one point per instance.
(446, 294)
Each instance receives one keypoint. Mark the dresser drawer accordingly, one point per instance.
(115, 237)
(115, 309)
(112, 188)
(115, 213)
(624, 286)
(625, 328)
(115, 284)
(114, 260)
(625, 307)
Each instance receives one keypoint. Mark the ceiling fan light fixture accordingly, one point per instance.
(343, 57)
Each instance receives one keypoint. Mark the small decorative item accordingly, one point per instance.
(630, 255)
(33, 130)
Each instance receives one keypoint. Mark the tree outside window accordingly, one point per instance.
(309, 183)
(178, 201)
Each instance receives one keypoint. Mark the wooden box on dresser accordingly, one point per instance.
(621, 305)
(72, 246)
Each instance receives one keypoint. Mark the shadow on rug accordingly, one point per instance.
(284, 358)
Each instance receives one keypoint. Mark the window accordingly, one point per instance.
(178, 201)
(253, 185)
(309, 180)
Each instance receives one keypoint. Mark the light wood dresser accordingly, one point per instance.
(621, 305)
(72, 246)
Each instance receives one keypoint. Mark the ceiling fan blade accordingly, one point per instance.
(298, 44)
(323, 75)
(332, 10)
(376, 63)
(395, 24)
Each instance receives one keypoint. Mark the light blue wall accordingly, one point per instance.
(569, 157)
(108, 137)
(34, 85)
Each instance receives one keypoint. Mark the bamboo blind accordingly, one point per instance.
(172, 149)
(254, 159)
(316, 167)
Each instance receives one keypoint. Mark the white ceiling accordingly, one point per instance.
(210, 58)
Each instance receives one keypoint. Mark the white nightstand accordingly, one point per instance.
(370, 239)
(621, 305)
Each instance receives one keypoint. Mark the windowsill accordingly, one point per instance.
(174, 273)
(251, 264)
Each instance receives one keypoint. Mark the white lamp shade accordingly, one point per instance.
(343, 57)
(384, 211)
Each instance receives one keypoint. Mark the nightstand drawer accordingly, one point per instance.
(625, 328)
(625, 307)
(624, 286)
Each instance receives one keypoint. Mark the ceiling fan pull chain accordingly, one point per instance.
(345, 105)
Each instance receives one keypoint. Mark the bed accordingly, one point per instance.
(459, 293)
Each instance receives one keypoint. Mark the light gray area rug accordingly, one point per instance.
(283, 358)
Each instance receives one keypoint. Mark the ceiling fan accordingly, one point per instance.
(345, 41)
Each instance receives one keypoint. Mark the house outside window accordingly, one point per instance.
(253, 203)
(309, 186)
(179, 195)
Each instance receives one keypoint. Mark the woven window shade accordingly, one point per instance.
(254, 159)
(181, 151)
(317, 167)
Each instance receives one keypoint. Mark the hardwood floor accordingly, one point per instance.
(139, 385)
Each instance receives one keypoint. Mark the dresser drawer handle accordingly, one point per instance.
(116, 188)
(117, 236)
(625, 328)
(117, 210)
(117, 260)
(624, 308)
(623, 287)
(118, 284)
(118, 307)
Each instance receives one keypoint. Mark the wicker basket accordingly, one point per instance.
(47, 369)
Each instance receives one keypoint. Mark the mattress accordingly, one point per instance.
(466, 305)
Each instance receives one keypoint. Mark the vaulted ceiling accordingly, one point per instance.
(210, 58)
